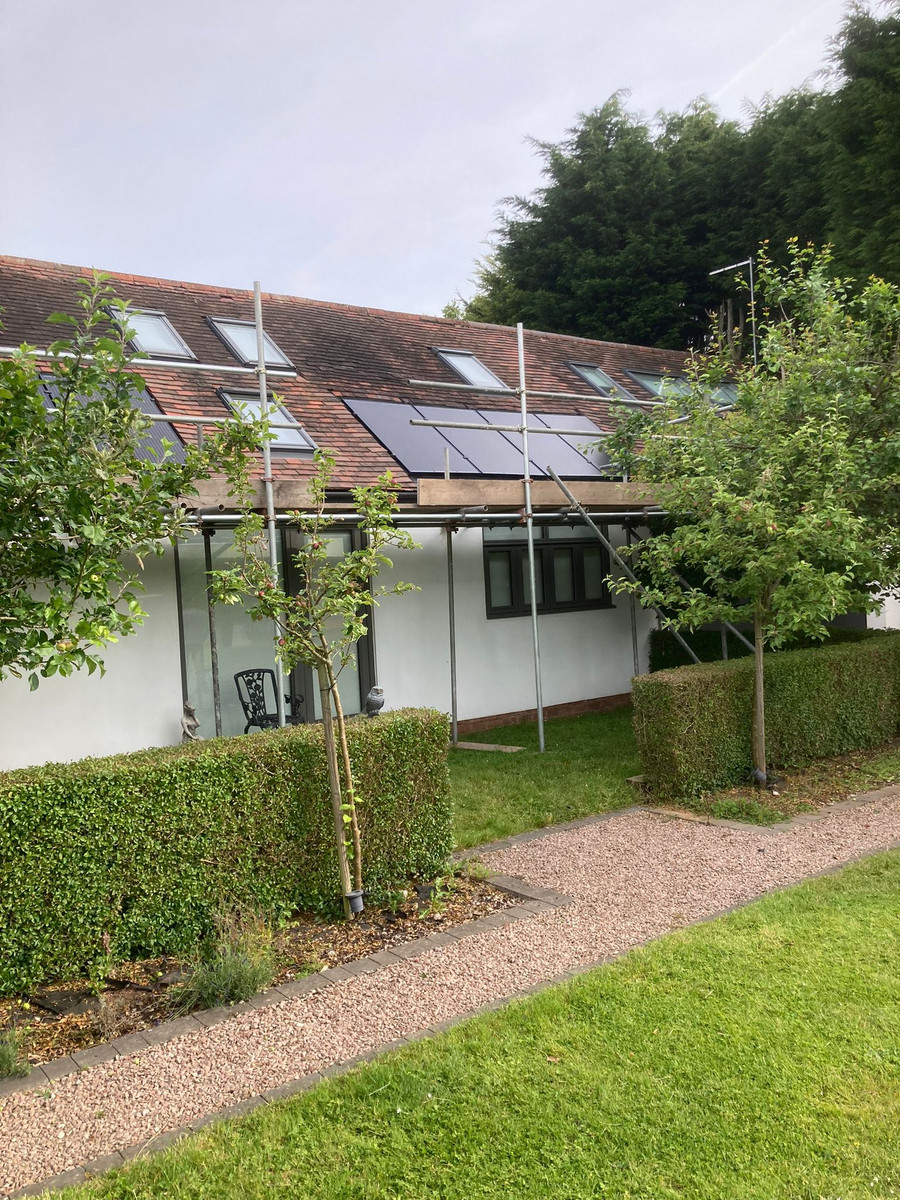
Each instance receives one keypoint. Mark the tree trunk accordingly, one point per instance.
(335, 784)
(759, 698)
(348, 781)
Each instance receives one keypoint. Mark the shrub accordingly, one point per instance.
(693, 723)
(112, 858)
(665, 652)
(237, 963)
(13, 1061)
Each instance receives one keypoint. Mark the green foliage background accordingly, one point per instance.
(634, 214)
(693, 723)
(105, 859)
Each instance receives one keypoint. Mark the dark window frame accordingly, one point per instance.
(609, 393)
(302, 681)
(235, 351)
(441, 351)
(243, 394)
(517, 552)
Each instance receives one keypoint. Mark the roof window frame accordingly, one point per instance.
(635, 376)
(242, 396)
(121, 317)
(615, 389)
(284, 365)
(443, 351)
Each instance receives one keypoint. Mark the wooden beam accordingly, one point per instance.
(604, 494)
(288, 494)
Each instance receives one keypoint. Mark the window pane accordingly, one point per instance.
(563, 576)
(243, 338)
(508, 533)
(286, 439)
(595, 377)
(657, 384)
(500, 579)
(471, 369)
(152, 334)
(593, 573)
(571, 533)
(538, 578)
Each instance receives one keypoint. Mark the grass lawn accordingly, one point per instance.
(753, 1058)
(583, 771)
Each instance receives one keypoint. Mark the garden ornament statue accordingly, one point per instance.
(374, 701)
(190, 724)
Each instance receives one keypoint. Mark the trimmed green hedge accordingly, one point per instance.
(693, 723)
(666, 653)
(111, 858)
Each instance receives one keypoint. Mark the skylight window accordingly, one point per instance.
(240, 338)
(294, 440)
(596, 378)
(153, 334)
(657, 384)
(471, 369)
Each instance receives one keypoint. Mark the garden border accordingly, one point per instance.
(536, 900)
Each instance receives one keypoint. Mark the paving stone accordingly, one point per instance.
(58, 1067)
(19, 1083)
(334, 974)
(84, 1059)
(131, 1043)
(362, 966)
(108, 1162)
(213, 1016)
(267, 998)
(301, 987)
(171, 1029)
(292, 1088)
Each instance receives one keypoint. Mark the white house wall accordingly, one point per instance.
(584, 654)
(136, 704)
(888, 617)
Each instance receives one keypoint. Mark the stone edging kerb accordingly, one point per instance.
(535, 900)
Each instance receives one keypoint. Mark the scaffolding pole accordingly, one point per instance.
(529, 528)
(614, 554)
(454, 707)
(267, 483)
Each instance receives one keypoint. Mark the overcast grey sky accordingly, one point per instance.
(353, 151)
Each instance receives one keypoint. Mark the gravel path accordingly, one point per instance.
(633, 877)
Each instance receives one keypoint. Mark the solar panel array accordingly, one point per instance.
(420, 449)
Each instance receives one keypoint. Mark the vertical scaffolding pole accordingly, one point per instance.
(529, 527)
(634, 633)
(267, 483)
(454, 721)
(213, 644)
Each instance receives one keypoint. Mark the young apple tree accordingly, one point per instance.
(783, 508)
(322, 624)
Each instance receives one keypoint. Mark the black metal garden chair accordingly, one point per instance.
(251, 690)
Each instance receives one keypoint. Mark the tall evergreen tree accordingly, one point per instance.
(619, 242)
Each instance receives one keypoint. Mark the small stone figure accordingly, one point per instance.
(190, 724)
(374, 702)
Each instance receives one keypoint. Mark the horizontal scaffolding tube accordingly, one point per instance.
(481, 427)
(439, 520)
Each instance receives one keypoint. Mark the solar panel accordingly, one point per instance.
(418, 449)
(595, 458)
(513, 441)
(491, 453)
(151, 447)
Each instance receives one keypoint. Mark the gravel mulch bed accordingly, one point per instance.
(633, 877)
(70, 1017)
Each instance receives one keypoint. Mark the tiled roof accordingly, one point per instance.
(337, 350)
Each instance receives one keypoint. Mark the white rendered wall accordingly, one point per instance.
(888, 617)
(136, 704)
(584, 654)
